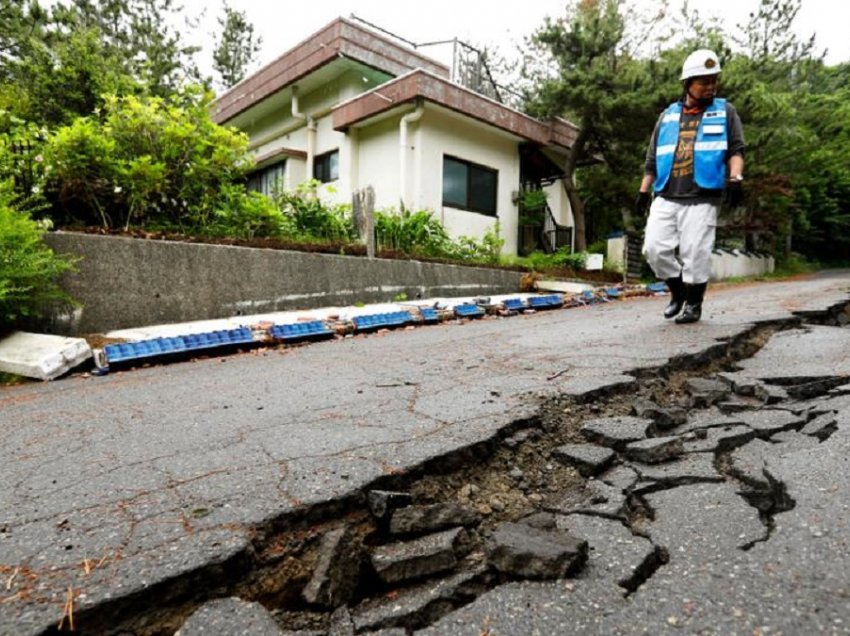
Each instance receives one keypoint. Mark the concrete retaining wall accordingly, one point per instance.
(737, 264)
(724, 263)
(124, 282)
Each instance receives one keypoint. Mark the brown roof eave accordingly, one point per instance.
(341, 37)
(422, 85)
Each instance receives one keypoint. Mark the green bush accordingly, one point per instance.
(308, 218)
(487, 250)
(145, 160)
(29, 270)
(241, 214)
(413, 233)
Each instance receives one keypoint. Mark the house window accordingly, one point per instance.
(268, 180)
(326, 166)
(469, 186)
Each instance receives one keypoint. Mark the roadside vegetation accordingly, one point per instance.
(105, 125)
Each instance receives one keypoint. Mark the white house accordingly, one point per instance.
(353, 108)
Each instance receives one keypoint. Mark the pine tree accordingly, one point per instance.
(235, 48)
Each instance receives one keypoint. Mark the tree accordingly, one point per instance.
(598, 84)
(58, 62)
(235, 47)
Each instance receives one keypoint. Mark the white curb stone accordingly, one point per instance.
(41, 356)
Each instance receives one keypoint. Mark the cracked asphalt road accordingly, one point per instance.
(111, 486)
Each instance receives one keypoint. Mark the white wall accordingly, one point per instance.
(444, 134)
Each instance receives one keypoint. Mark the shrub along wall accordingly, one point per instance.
(125, 282)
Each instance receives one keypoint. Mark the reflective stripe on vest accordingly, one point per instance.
(709, 147)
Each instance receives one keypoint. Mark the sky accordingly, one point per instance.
(284, 23)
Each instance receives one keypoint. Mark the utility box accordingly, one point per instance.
(593, 261)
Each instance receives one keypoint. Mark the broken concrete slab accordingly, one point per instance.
(740, 383)
(747, 463)
(422, 519)
(382, 502)
(770, 393)
(597, 498)
(416, 606)
(616, 432)
(690, 469)
(620, 477)
(707, 418)
(341, 623)
(41, 356)
(230, 617)
(588, 459)
(663, 418)
(615, 554)
(522, 551)
(801, 355)
(822, 426)
(720, 439)
(337, 571)
(655, 449)
(792, 441)
(766, 422)
(706, 519)
(407, 560)
(705, 391)
(738, 403)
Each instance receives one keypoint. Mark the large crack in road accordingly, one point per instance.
(572, 492)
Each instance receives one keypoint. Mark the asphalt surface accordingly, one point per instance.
(110, 486)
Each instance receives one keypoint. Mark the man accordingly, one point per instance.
(695, 161)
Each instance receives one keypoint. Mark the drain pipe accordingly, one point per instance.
(406, 120)
(311, 131)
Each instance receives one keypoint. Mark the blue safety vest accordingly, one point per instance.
(709, 147)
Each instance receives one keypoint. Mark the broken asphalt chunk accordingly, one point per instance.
(614, 553)
(588, 459)
(822, 426)
(705, 391)
(720, 439)
(416, 606)
(768, 421)
(690, 469)
(655, 450)
(525, 552)
(382, 502)
(407, 560)
(422, 519)
(337, 571)
(230, 617)
(664, 418)
(616, 432)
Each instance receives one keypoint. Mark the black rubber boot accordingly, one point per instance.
(693, 304)
(677, 293)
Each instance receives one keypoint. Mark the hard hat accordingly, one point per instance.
(701, 62)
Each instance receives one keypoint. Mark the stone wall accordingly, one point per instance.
(125, 282)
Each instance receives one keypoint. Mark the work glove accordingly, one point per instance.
(733, 193)
(642, 202)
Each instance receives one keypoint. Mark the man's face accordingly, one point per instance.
(703, 87)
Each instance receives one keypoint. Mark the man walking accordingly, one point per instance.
(695, 161)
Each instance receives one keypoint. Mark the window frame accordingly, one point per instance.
(261, 175)
(320, 160)
(469, 205)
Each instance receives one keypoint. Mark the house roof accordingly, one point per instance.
(422, 84)
(340, 38)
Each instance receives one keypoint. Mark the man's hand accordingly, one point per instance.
(733, 193)
(642, 203)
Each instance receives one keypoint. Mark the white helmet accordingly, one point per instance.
(701, 62)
